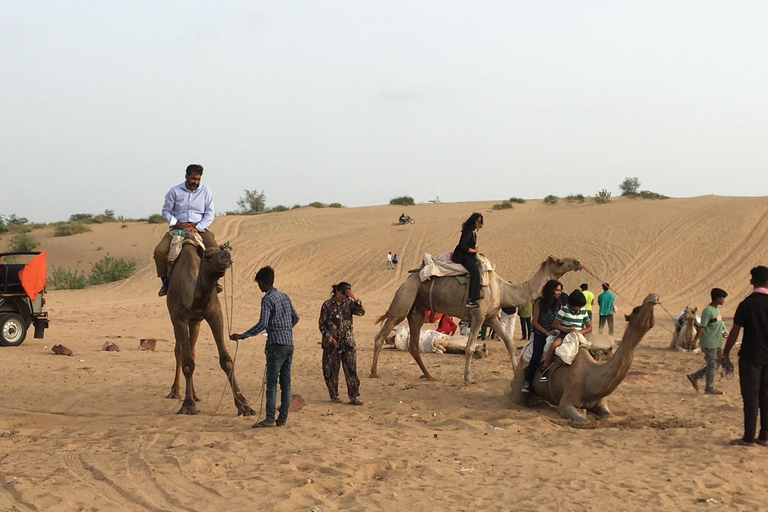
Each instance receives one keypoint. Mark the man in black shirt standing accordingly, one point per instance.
(752, 316)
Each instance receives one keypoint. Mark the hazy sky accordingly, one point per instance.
(104, 103)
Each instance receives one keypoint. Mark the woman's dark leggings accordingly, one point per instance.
(753, 378)
(539, 340)
(525, 325)
(470, 263)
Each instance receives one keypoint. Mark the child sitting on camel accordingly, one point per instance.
(570, 318)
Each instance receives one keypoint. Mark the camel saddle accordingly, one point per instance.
(179, 238)
(443, 266)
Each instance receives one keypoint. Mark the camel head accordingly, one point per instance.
(641, 317)
(558, 267)
(216, 261)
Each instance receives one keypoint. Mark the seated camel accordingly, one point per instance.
(448, 296)
(685, 331)
(586, 384)
(192, 298)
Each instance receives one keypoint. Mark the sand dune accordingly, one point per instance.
(94, 431)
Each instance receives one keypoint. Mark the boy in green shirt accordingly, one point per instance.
(710, 337)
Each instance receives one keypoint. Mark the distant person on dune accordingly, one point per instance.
(189, 207)
(752, 316)
(389, 260)
(605, 300)
(590, 299)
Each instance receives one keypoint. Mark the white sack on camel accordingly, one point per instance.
(567, 351)
(443, 266)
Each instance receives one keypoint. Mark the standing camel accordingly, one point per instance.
(447, 295)
(586, 384)
(192, 298)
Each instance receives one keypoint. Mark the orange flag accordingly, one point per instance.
(32, 276)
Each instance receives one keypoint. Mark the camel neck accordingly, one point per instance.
(519, 294)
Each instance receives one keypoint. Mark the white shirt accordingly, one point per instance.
(182, 205)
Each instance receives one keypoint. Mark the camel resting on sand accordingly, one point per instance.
(447, 295)
(685, 330)
(586, 384)
(192, 298)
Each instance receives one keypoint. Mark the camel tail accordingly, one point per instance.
(381, 318)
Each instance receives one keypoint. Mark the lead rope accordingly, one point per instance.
(629, 301)
(229, 314)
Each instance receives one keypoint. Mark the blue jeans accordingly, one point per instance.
(539, 340)
(712, 358)
(279, 359)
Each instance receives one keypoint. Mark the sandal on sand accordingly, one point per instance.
(355, 401)
(741, 442)
(693, 381)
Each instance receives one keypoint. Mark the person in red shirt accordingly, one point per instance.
(447, 325)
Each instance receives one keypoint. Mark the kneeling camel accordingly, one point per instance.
(586, 384)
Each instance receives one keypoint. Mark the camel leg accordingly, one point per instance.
(510, 343)
(175, 386)
(378, 343)
(194, 330)
(415, 322)
(569, 412)
(601, 410)
(181, 330)
(474, 329)
(227, 364)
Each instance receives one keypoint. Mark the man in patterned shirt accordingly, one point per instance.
(339, 342)
(278, 318)
(570, 318)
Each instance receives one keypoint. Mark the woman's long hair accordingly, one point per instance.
(470, 222)
(548, 300)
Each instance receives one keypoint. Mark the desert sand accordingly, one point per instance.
(94, 432)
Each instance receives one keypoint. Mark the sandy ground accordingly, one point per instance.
(94, 432)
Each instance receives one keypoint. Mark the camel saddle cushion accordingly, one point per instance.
(179, 238)
(443, 266)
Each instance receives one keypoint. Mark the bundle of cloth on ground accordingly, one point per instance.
(434, 342)
(443, 266)
(567, 351)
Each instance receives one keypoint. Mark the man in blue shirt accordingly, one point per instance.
(278, 318)
(605, 301)
(188, 207)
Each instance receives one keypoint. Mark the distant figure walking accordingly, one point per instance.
(339, 341)
(752, 316)
(389, 260)
(525, 312)
(394, 260)
(590, 299)
(466, 254)
(605, 301)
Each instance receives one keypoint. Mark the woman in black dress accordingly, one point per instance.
(466, 254)
(544, 310)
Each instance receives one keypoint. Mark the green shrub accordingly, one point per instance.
(252, 202)
(295, 206)
(647, 194)
(109, 269)
(80, 217)
(70, 228)
(278, 208)
(629, 186)
(21, 242)
(317, 204)
(550, 199)
(402, 201)
(504, 205)
(577, 197)
(335, 205)
(603, 197)
(65, 279)
(518, 200)
(155, 218)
